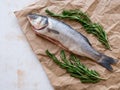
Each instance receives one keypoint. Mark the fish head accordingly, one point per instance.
(38, 22)
(41, 25)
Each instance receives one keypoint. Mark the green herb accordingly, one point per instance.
(90, 27)
(75, 68)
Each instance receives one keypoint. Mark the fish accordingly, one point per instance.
(64, 36)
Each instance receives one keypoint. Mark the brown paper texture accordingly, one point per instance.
(106, 12)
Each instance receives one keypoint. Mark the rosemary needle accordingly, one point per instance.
(75, 68)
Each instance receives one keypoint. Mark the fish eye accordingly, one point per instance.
(32, 16)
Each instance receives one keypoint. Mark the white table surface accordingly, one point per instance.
(19, 67)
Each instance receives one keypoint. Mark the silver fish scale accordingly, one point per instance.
(71, 38)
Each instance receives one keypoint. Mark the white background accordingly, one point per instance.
(19, 67)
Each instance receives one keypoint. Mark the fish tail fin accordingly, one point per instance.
(106, 62)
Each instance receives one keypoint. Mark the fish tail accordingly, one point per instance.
(106, 62)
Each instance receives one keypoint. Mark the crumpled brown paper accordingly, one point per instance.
(106, 12)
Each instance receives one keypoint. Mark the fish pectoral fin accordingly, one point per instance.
(106, 62)
(52, 30)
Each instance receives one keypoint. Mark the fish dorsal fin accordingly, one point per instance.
(86, 39)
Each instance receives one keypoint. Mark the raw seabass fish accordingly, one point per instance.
(69, 39)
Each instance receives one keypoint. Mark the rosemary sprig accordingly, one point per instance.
(75, 68)
(90, 27)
